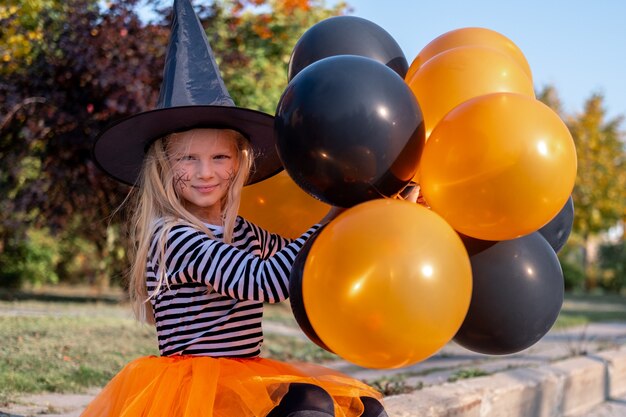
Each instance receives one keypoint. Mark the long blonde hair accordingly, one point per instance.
(155, 201)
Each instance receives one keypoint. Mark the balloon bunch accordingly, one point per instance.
(388, 282)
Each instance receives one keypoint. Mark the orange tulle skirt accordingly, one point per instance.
(193, 386)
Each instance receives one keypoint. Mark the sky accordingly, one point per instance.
(578, 46)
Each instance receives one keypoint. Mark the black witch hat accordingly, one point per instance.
(192, 95)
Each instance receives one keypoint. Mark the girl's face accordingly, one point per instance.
(203, 161)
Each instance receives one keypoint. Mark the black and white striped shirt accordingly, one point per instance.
(213, 304)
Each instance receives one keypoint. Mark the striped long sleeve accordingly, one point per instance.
(212, 302)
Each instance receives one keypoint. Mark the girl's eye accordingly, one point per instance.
(187, 158)
(222, 156)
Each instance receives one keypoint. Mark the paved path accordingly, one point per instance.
(616, 407)
(556, 345)
(49, 405)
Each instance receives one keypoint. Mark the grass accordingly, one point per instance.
(581, 309)
(60, 344)
(66, 352)
(56, 346)
(289, 349)
(394, 385)
(280, 313)
(466, 374)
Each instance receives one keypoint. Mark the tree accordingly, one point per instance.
(613, 263)
(549, 96)
(96, 65)
(600, 192)
(22, 32)
(256, 56)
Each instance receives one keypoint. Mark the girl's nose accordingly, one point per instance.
(205, 169)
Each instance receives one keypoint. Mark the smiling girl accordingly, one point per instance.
(200, 272)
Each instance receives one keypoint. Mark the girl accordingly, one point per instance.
(199, 272)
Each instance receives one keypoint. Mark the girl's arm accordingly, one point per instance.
(192, 256)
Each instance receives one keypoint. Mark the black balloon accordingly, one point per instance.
(348, 130)
(558, 229)
(295, 293)
(347, 35)
(516, 297)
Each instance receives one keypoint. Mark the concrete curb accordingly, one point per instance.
(561, 389)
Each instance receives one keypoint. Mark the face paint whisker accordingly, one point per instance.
(181, 180)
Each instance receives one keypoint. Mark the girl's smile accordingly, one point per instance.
(205, 188)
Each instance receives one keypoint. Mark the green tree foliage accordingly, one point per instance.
(255, 56)
(599, 194)
(613, 263)
(35, 258)
(22, 35)
(99, 62)
(600, 191)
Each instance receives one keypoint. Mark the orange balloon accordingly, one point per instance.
(471, 36)
(280, 206)
(386, 284)
(499, 166)
(462, 73)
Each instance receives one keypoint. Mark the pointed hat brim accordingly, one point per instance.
(119, 152)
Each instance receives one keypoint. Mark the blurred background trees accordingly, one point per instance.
(68, 68)
(595, 254)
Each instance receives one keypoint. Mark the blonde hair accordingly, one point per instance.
(155, 201)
